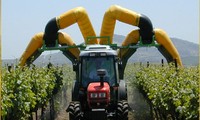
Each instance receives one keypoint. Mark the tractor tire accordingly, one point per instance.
(75, 91)
(122, 92)
(74, 110)
(122, 110)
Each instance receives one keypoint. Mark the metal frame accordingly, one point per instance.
(83, 45)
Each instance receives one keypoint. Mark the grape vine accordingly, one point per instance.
(174, 92)
(24, 90)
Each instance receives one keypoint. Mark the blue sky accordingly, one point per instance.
(22, 19)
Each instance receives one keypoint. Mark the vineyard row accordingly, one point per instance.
(25, 90)
(172, 92)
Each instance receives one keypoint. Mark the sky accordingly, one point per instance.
(22, 19)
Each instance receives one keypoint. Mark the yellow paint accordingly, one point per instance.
(114, 13)
(163, 39)
(64, 38)
(131, 38)
(35, 43)
(77, 15)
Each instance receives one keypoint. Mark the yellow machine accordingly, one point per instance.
(79, 15)
(103, 94)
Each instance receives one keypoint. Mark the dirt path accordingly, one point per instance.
(63, 115)
(140, 109)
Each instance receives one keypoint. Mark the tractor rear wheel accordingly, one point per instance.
(74, 110)
(122, 110)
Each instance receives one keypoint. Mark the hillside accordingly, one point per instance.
(188, 51)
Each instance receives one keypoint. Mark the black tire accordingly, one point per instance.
(122, 110)
(74, 110)
(75, 91)
(122, 92)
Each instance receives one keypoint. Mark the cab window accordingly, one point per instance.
(92, 64)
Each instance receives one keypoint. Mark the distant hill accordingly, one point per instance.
(188, 51)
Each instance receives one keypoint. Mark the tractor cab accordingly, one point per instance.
(94, 58)
(98, 75)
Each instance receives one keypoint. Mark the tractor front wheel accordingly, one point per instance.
(74, 110)
(122, 110)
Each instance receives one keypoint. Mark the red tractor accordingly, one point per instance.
(98, 92)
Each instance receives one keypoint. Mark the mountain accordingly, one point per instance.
(55, 58)
(188, 51)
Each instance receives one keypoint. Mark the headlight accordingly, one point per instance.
(93, 95)
(102, 95)
(97, 95)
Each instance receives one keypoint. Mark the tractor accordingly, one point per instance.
(97, 92)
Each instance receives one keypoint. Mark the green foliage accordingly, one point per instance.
(173, 91)
(25, 89)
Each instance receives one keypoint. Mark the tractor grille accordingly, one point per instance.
(95, 104)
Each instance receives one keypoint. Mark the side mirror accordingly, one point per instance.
(75, 66)
(120, 64)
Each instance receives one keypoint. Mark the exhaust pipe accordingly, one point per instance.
(101, 73)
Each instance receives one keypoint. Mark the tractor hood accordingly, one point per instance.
(98, 96)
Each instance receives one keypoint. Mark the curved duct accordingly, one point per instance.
(146, 33)
(65, 39)
(76, 15)
(131, 39)
(167, 48)
(31, 53)
(116, 12)
(146, 29)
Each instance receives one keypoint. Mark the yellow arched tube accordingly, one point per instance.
(35, 43)
(163, 39)
(114, 13)
(131, 38)
(77, 15)
(64, 38)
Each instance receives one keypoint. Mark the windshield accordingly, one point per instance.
(92, 64)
